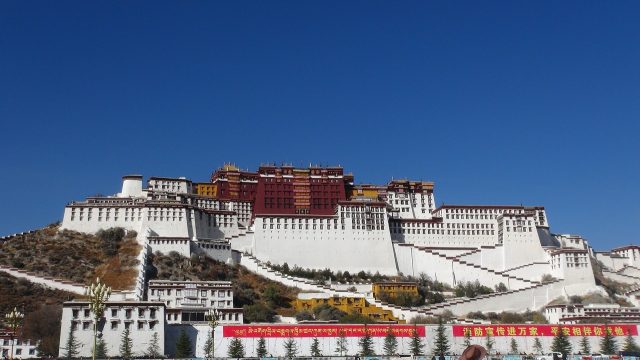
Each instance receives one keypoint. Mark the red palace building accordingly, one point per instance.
(288, 190)
(285, 189)
(231, 183)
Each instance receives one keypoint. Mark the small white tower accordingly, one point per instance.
(131, 186)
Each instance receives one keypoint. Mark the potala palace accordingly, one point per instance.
(319, 218)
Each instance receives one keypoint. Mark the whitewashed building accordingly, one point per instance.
(355, 238)
(189, 301)
(143, 319)
(166, 215)
(389, 229)
(22, 348)
(578, 313)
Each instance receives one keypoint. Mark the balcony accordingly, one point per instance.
(191, 303)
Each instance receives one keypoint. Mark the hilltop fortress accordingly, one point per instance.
(318, 218)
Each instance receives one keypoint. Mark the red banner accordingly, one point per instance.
(297, 331)
(543, 330)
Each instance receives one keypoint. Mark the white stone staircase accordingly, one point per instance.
(515, 281)
(56, 283)
(242, 232)
(47, 281)
(253, 264)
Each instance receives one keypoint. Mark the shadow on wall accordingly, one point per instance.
(171, 335)
(546, 239)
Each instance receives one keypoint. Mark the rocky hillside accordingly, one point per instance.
(74, 256)
(42, 308)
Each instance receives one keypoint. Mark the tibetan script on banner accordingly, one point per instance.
(542, 330)
(271, 331)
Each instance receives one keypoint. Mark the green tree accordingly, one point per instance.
(258, 312)
(390, 343)
(72, 345)
(561, 343)
(272, 295)
(630, 344)
(315, 348)
(415, 346)
(608, 344)
(537, 346)
(341, 343)
(236, 349)
(101, 349)
(261, 351)
(209, 346)
(585, 347)
(183, 346)
(290, 348)
(514, 346)
(441, 345)
(366, 343)
(126, 345)
(153, 350)
(489, 343)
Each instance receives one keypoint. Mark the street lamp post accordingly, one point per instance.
(98, 295)
(13, 320)
(212, 317)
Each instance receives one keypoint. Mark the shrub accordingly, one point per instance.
(471, 289)
(110, 240)
(327, 312)
(304, 315)
(258, 312)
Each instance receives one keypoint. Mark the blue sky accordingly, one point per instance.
(498, 102)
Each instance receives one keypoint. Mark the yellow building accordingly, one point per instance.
(206, 189)
(348, 305)
(366, 191)
(392, 289)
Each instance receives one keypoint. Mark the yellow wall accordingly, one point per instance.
(206, 189)
(365, 192)
(393, 288)
(348, 305)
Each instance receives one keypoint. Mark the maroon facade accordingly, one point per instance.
(288, 190)
(234, 184)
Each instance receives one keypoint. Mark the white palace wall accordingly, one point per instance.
(339, 250)
(92, 225)
(529, 298)
(492, 257)
(533, 271)
(412, 261)
(165, 221)
(631, 271)
(522, 248)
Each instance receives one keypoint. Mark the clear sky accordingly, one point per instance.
(498, 102)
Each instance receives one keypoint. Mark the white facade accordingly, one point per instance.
(172, 185)
(22, 348)
(143, 319)
(572, 265)
(411, 205)
(355, 239)
(189, 301)
(166, 215)
(577, 313)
